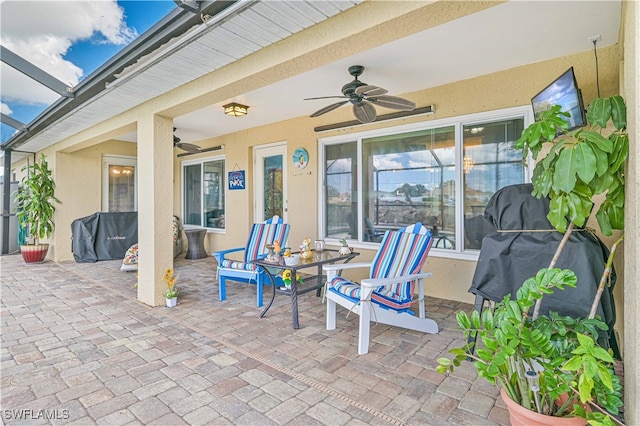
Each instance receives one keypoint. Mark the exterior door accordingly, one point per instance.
(270, 182)
(119, 184)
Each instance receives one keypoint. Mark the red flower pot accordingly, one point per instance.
(34, 253)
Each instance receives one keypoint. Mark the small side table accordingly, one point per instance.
(195, 238)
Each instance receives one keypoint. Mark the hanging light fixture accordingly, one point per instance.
(235, 109)
(467, 164)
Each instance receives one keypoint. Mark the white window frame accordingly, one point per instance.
(118, 160)
(201, 162)
(458, 122)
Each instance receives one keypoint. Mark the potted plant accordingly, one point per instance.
(550, 364)
(172, 292)
(36, 207)
(345, 249)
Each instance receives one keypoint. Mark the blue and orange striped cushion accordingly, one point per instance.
(261, 234)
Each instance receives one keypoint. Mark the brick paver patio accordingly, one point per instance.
(77, 348)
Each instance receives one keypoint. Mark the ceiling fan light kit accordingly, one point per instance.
(363, 97)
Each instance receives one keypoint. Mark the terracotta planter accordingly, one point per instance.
(520, 416)
(34, 253)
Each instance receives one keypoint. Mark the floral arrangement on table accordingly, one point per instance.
(172, 291)
(286, 277)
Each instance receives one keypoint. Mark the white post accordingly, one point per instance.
(155, 206)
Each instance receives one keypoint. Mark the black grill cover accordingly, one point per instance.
(103, 236)
(507, 259)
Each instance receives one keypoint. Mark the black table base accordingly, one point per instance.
(317, 259)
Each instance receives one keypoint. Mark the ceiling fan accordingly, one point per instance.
(189, 147)
(363, 97)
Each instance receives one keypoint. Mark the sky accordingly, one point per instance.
(67, 39)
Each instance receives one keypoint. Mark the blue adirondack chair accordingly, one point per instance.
(386, 296)
(243, 271)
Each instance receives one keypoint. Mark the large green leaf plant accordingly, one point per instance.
(538, 361)
(36, 200)
(581, 164)
(537, 358)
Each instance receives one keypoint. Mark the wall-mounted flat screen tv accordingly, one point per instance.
(562, 91)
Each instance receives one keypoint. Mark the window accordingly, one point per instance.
(118, 184)
(203, 193)
(490, 161)
(439, 173)
(341, 189)
(409, 178)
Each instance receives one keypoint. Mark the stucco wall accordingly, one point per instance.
(631, 90)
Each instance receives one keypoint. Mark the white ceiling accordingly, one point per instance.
(502, 37)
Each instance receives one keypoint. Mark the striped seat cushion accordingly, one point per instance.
(234, 264)
(387, 297)
(401, 252)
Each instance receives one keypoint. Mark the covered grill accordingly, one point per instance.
(525, 242)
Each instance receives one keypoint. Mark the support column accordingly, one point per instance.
(631, 318)
(155, 206)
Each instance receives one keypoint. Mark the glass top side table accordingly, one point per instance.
(313, 282)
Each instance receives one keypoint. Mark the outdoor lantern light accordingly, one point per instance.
(235, 109)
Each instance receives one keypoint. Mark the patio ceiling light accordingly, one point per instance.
(235, 109)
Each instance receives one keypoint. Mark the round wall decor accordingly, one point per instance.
(300, 158)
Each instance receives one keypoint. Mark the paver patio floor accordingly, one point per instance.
(78, 348)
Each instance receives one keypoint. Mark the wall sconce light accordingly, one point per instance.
(235, 109)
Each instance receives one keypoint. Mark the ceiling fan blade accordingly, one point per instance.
(393, 102)
(364, 112)
(328, 108)
(368, 90)
(326, 97)
(189, 147)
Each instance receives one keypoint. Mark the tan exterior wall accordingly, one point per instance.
(631, 89)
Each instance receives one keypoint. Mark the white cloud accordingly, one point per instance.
(18, 88)
(43, 31)
(5, 109)
(387, 162)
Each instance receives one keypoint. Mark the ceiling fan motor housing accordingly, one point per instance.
(349, 88)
